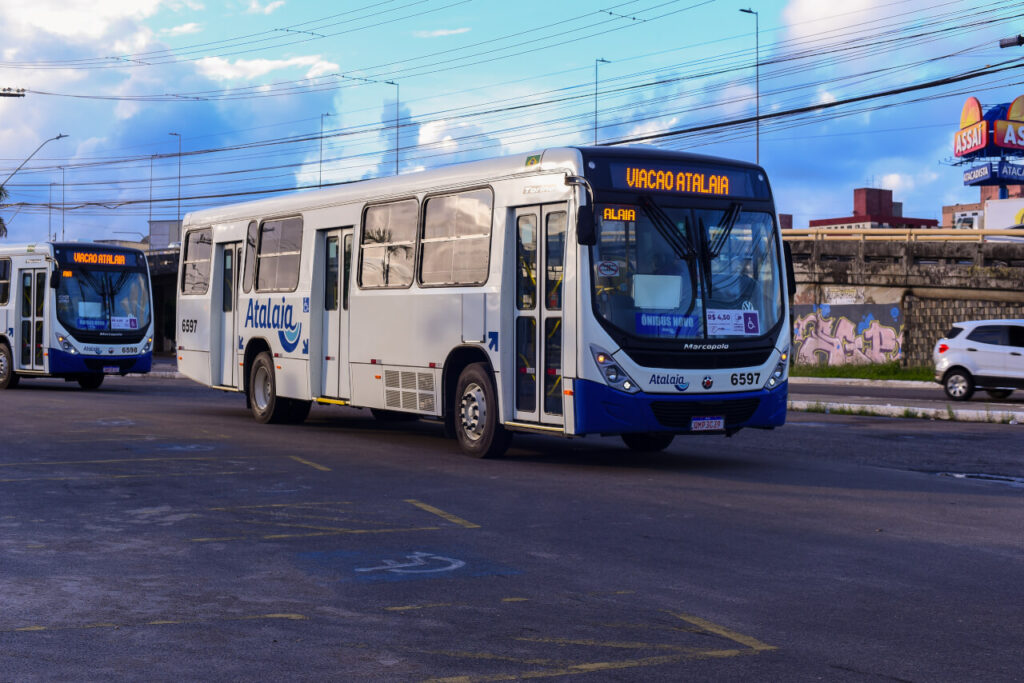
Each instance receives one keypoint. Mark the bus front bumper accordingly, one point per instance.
(603, 410)
(64, 363)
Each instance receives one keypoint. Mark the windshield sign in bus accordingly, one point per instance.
(101, 259)
(655, 177)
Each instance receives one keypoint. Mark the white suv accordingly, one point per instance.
(981, 354)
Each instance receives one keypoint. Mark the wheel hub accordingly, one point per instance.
(957, 385)
(473, 411)
(261, 389)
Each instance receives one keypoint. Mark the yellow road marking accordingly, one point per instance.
(162, 622)
(711, 627)
(406, 608)
(442, 514)
(310, 464)
(277, 537)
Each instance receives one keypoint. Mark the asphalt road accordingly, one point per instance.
(152, 530)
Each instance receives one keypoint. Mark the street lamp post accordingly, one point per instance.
(757, 81)
(62, 187)
(597, 61)
(320, 182)
(57, 137)
(398, 146)
(178, 135)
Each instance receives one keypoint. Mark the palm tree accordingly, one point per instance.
(382, 235)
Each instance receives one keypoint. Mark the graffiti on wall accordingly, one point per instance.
(840, 334)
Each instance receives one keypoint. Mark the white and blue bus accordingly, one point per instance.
(75, 310)
(631, 292)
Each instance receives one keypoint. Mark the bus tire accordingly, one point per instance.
(477, 428)
(264, 403)
(8, 378)
(648, 442)
(90, 382)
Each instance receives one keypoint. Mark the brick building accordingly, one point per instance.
(874, 208)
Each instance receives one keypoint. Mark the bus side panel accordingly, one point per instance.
(193, 330)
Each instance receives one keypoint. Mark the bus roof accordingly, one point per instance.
(550, 160)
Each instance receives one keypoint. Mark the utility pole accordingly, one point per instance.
(398, 146)
(757, 81)
(600, 60)
(178, 135)
(320, 182)
(62, 187)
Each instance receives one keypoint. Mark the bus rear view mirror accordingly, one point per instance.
(790, 273)
(54, 278)
(585, 232)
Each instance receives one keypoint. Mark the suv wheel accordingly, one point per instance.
(959, 384)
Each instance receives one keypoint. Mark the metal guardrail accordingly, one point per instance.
(903, 235)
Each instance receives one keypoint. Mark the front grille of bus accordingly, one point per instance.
(678, 414)
(701, 360)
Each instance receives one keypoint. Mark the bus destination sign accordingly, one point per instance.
(99, 258)
(689, 180)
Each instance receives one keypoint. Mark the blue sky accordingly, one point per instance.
(248, 83)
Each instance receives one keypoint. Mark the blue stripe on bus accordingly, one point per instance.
(603, 410)
(63, 363)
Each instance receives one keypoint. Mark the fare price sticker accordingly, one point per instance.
(729, 323)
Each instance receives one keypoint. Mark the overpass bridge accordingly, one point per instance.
(877, 296)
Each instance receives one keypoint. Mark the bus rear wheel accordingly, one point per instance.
(649, 442)
(265, 404)
(8, 378)
(90, 382)
(477, 429)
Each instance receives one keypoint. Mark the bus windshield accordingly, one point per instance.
(678, 272)
(103, 302)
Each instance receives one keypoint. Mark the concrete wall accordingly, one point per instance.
(879, 301)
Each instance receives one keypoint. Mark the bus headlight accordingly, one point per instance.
(780, 370)
(614, 376)
(66, 345)
(148, 346)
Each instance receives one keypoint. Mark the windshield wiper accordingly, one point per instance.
(681, 244)
(732, 214)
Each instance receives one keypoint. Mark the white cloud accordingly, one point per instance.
(440, 33)
(256, 8)
(182, 30)
(77, 19)
(220, 69)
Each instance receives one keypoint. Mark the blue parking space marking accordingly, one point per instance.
(385, 565)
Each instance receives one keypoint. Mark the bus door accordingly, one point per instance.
(229, 255)
(337, 271)
(540, 255)
(33, 299)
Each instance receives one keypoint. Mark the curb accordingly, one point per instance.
(893, 383)
(911, 412)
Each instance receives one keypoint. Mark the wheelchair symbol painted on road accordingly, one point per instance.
(417, 563)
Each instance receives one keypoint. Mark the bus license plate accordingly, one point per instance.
(111, 369)
(707, 424)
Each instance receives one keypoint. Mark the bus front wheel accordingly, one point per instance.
(264, 402)
(477, 427)
(8, 378)
(90, 382)
(649, 442)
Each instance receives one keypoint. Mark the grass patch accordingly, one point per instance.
(873, 371)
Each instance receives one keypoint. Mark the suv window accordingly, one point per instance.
(954, 332)
(1017, 336)
(989, 334)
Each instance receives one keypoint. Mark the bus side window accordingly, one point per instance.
(250, 257)
(278, 254)
(388, 245)
(195, 272)
(456, 239)
(346, 270)
(228, 299)
(331, 278)
(5, 280)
